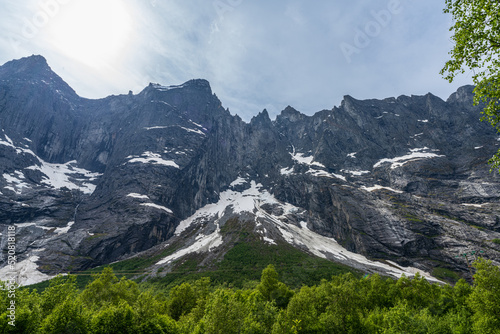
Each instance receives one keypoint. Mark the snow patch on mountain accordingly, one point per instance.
(138, 196)
(57, 176)
(377, 187)
(151, 205)
(415, 154)
(25, 272)
(238, 202)
(152, 158)
(67, 176)
(352, 155)
(239, 181)
(9, 143)
(64, 230)
(23, 225)
(159, 207)
(302, 159)
(322, 173)
(162, 102)
(355, 172)
(198, 125)
(193, 130)
(203, 243)
(474, 205)
(15, 181)
(158, 127)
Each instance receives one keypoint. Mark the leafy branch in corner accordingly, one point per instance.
(476, 47)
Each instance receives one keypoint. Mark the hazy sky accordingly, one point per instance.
(256, 54)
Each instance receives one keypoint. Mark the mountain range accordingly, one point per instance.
(393, 186)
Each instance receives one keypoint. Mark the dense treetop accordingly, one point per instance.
(343, 304)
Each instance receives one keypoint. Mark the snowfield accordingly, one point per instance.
(25, 272)
(251, 201)
(57, 176)
(415, 154)
(67, 176)
(152, 158)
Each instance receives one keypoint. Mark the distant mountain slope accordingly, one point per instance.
(390, 186)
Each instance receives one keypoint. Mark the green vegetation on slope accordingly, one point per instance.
(244, 263)
(245, 257)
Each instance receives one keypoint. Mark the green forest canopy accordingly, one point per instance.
(343, 304)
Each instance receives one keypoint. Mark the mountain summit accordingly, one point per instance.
(394, 186)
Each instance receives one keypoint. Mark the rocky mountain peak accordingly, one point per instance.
(200, 85)
(348, 103)
(33, 63)
(262, 119)
(33, 67)
(290, 114)
(35, 70)
(463, 95)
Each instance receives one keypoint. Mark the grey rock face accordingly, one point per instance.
(89, 182)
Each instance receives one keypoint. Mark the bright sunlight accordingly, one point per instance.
(94, 32)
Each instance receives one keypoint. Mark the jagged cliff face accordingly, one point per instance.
(89, 182)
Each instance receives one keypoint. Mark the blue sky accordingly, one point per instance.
(256, 54)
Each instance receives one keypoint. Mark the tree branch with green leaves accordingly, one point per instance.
(476, 38)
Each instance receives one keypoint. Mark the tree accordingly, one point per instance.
(268, 282)
(224, 313)
(157, 324)
(60, 289)
(261, 314)
(302, 311)
(272, 289)
(106, 288)
(182, 300)
(66, 318)
(27, 310)
(484, 299)
(343, 304)
(404, 319)
(477, 47)
(115, 319)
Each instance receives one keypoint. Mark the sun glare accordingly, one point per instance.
(94, 32)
